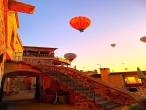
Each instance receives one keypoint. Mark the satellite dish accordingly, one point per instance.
(143, 39)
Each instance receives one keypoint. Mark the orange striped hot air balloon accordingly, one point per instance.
(80, 23)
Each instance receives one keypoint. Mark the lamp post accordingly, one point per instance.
(99, 67)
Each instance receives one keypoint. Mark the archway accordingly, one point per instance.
(17, 75)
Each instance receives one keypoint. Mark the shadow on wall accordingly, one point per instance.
(1, 58)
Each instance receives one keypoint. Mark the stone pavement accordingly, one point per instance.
(32, 105)
(22, 95)
(24, 100)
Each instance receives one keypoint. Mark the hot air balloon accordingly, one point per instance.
(143, 39)
(70, 56)
(80, 23)
(113, 45)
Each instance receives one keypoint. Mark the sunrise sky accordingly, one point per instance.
(122, 22)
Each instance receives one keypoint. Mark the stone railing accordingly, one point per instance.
(110, 93)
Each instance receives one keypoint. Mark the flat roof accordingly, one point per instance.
(38, 48)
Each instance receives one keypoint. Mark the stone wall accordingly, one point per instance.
(2, 38)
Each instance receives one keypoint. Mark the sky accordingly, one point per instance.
(122, 22)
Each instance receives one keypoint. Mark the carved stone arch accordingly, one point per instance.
(24, 73)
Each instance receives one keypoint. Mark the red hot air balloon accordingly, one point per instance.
(80, 23)
(70, 56)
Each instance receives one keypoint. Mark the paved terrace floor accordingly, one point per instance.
(24, 101)
(31, 105)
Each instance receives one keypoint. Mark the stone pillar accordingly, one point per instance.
(105, 74)
(2, 39)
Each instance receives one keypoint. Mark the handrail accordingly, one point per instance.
(99, 88)
(110, 93)
(119, 96)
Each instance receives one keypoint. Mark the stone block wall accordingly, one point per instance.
(2, 39)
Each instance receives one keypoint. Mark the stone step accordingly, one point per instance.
(111, 105)
(86, 92)
(120, 108)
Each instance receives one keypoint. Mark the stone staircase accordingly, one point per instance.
(84, 91)
(90, 92)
